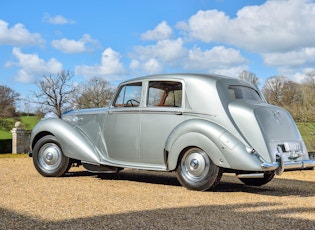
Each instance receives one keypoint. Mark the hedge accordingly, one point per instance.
(6, 146)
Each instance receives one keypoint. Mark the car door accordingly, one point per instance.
(162, 113)
(121, 129)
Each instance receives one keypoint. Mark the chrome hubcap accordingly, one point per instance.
(50, 156)
(195, 165)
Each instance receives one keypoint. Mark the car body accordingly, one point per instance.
(195, 124)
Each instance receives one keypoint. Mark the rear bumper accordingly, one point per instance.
(297, 165)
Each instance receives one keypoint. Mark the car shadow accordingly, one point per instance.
(259, 215)
(228, 183)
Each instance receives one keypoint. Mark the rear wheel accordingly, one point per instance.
(258, 181)
(196, 171)
(48, 157)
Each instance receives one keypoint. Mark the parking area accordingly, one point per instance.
(136, 199)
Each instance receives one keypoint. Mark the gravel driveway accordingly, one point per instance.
(148, 200)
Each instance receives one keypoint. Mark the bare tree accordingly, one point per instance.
(273, 89)
(55, 91)
(8, 98)
(250, 77)
(96, 93)
(310, 79)
(307, 110)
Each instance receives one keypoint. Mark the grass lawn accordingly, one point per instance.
(28, 123)
(307, 131)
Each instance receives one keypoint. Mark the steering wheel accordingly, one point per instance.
(132, 101)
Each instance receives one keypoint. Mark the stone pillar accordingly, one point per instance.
(20, 139)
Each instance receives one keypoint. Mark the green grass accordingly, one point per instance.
(307, 131)
(28, 123)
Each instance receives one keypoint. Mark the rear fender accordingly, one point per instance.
(195, 140)
(73, 143)
(198, 133)
(223, 148)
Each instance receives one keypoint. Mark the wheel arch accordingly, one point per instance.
(38, 136)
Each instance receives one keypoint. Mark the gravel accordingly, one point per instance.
(136, 199)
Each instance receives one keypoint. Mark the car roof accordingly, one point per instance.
(179, 76)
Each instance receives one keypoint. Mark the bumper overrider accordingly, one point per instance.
(279, 166)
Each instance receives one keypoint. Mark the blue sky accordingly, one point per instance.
(121, 39)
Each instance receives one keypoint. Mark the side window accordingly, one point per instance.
(165, 93)
(129, 96)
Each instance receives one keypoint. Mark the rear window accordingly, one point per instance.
(165, 93)
(243, 92)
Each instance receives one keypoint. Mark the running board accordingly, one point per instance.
(100, 168)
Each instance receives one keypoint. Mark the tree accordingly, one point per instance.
(250, 77)
(307, 110)
(309, 79)
(95, 94)
(8, 99)
(273, 89)
(56, 91)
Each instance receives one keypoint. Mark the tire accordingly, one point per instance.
(258, 181)
(48, 157)
(196, 171)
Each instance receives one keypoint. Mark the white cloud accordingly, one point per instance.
(300, 76)
(172, 54)
(85, 44)
(160, 32)
(281, 31)
(207, 26)
(57, 20)
(289, 62)
(152, 58)
(276, 25)
(110, 66)
(33, 67)
(218, 60)
(18, 35)
(217, 57)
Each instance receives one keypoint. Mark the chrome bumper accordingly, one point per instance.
(298, 165)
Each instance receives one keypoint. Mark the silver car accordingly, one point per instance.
(197, 125)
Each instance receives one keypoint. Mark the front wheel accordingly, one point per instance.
(196, 171)
(48, 157)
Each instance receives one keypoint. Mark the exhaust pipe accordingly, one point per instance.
(251, 175)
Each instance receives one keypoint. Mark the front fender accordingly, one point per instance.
(73, 143)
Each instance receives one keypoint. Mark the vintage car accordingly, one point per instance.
(197, 125)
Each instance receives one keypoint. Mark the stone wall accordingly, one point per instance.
(20, 139)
